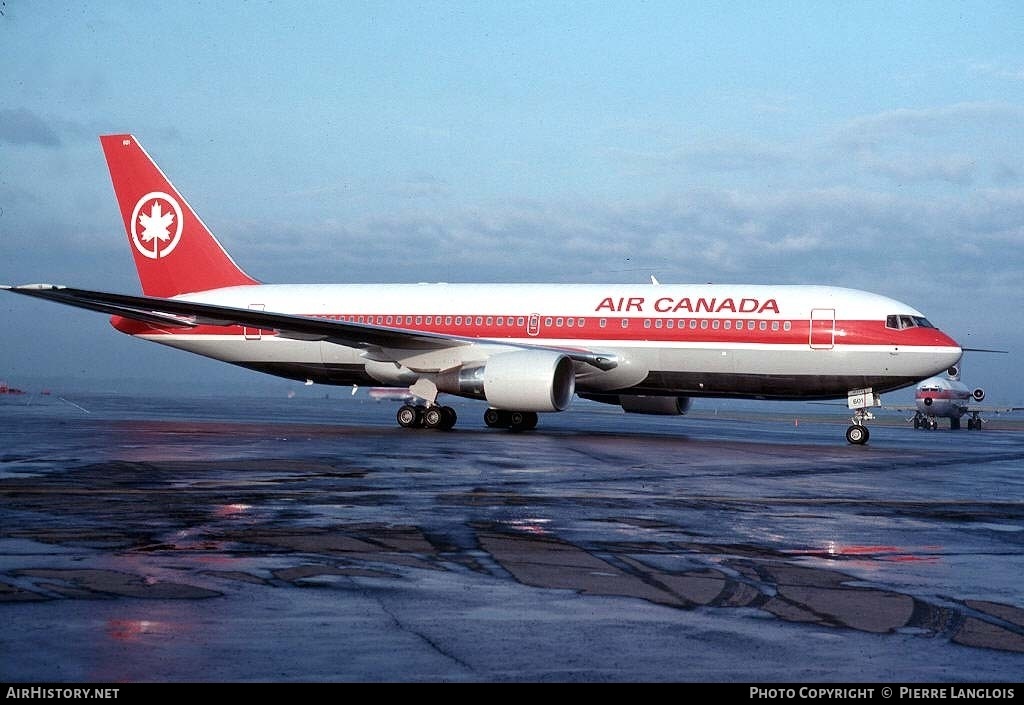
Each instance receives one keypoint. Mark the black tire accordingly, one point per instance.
(408, 416)
(517, 421)
(857, 435)
(495, 418)
(530, 420)
(448, 418)
(433, 417)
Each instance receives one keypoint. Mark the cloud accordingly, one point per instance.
(953, 169)
(883, 127)
(715, 156)
(21, 126)
(914, 248)
(425, 186)
(997, 70)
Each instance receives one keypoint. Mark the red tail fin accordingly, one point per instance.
(174, 251)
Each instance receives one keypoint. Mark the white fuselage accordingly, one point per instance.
(775, 342)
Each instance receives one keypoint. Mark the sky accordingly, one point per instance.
(875, 145)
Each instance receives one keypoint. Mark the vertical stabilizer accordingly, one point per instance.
(174, 251)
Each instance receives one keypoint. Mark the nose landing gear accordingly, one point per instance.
(860, 401)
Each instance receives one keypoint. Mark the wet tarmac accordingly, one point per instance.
(312, 539)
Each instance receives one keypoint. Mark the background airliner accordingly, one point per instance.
(944, 396)
(522, 348)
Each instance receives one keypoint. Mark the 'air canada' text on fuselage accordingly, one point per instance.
(668, 304)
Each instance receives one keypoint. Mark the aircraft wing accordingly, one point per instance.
(994, 409)
(900, 407)
(189, 314)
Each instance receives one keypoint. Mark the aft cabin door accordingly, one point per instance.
(823, 328)
(253, 333)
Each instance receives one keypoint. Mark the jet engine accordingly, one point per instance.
(978, 394)
(524, 380)
(664, 406)
(642, 404)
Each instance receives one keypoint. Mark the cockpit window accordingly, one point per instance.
(903, 321)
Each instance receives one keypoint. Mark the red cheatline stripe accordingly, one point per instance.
(682, 330)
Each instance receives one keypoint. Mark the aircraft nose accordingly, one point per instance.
(952, 352)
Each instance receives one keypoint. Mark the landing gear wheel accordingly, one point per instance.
(857, 435)
(495, 418)
(448, 418)
(440, 418)
(433, 417)
(409, 416)
(522, 421)
(933, 425)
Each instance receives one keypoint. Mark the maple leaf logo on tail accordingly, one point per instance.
(156, 239)
(155, 224)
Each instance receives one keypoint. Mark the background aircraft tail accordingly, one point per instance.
(174, 251)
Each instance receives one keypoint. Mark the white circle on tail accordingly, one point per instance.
(156, 225)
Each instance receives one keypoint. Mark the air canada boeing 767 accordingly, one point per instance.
(521, 348)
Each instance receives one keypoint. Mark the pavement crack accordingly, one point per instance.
(410, 630)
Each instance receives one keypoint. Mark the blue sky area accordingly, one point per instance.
(876, 145)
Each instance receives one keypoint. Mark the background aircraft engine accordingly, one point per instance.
(978, 394)
(665, 406)
(529, 380)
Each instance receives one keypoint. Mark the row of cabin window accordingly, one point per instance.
(437, 320)
(704, 324)
(715, 324)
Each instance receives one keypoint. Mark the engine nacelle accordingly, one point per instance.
(978, 394)
(529, 380)
(663, 406)
(524, 380)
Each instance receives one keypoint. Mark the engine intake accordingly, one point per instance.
(978, 394)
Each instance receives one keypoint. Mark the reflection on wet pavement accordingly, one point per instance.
(161, 529)
(733, 577)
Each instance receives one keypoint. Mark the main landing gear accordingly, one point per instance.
(443, 418)
(512, 420)
(440, 418)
